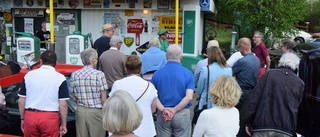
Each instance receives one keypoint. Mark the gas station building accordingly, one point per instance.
(86, 17)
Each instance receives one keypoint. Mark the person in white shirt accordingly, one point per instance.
(142, 91)
(223, 119)
(234, 58)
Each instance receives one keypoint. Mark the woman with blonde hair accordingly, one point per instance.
(217, 66)
(223, 119)
(121, 115)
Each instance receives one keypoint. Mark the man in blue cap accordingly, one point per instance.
(163, 41)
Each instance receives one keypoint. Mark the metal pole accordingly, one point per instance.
(51, 45)
(177, 23)
(51, 22)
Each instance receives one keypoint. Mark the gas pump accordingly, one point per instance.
(27, 45)
(75, 44)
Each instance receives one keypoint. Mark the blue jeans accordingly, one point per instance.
(179, 126)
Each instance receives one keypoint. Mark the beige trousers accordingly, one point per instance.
(89, 122)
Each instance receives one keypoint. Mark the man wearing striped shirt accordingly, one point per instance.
(88, 86)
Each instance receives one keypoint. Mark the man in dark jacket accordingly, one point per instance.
(274, 102)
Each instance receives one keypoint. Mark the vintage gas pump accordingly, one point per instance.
(75, 44)
(27, 45)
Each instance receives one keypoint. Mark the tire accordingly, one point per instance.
(211, 32)
(299, 40)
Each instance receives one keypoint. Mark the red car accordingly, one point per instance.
(6, 81)
(10, 79)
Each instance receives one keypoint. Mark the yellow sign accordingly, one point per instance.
(168, 23)
(128, 12)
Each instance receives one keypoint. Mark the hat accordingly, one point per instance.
(213, 43)
(162, 31)
(115, 39)
(107, 26)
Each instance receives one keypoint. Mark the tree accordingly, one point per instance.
(276, 17)
(314, 16)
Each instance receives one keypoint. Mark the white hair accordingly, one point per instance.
(290, 60)
(121, 114)
(154, 42)
(174, 52)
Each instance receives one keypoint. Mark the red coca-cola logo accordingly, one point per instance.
(135, 26)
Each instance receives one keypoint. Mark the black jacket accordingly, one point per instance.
(274, 102)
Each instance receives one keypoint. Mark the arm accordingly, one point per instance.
(154, 105)
(72, 89)
(268, 62)
(197, 71)
(202, 81)
(201, 125)
(254, 99)
(74, 98)
(103, 87)
(22, 101)
(185, 101)
(103, 96)
(236, 67)
(63, 108)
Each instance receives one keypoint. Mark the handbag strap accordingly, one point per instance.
(143, 92)
(208, 78)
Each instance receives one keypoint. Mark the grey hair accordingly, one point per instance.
(174, 52)
(154, 42)
(112, 44)
(87, 55)
(290, 60)
(289, 43)
(259, 33)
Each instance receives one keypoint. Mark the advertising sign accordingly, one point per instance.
(169, 23)
(205, 4)
(171, 38)
(92, 3)
(135, 26)
(29, 13)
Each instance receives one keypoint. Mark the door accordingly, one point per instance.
(66, 21)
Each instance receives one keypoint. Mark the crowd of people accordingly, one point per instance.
(129, 96)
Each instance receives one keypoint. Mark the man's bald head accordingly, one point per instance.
(244, 45)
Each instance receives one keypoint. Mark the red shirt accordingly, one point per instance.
(261, 52)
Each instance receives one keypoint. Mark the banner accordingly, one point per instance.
(169, 23)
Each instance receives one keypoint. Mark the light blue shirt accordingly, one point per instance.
(153, 59)
(215, 71)
(200, 64)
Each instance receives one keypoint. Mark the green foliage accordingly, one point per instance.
(274, 17)
(314, 17)
(224, 37)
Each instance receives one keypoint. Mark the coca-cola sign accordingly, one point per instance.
(135, 26)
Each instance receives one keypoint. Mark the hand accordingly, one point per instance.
(171, 110)
(22, 125)
(168, 114)
(63, 130)
(248, 130)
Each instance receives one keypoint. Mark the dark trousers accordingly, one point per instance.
(242, 107)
